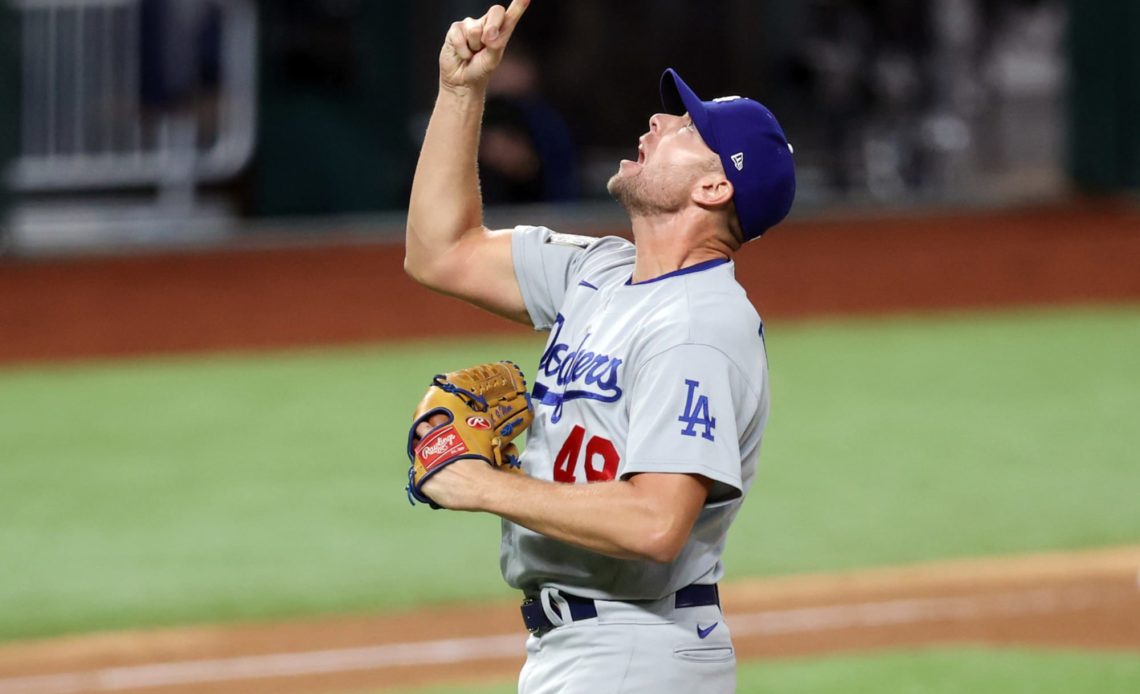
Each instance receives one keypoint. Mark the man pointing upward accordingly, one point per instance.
(651, 395)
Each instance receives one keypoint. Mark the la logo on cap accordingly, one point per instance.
(738, 161)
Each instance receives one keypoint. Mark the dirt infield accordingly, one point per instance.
(1083, 600)
(342, 294)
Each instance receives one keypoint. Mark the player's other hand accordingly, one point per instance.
(460, 486)
(456, 486)
(474, 47)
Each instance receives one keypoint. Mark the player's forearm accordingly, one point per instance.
(445, 201)
(612, 518)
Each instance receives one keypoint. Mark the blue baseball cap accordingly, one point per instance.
(752, 147)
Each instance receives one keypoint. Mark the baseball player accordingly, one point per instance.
(651, 396)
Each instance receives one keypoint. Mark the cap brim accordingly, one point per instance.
(677, 99)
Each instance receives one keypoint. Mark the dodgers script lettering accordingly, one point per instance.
(580, 373)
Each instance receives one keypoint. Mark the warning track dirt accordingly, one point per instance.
(329, 294)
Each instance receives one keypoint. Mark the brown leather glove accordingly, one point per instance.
(483, 409)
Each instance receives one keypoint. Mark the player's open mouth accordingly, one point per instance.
(640, 155)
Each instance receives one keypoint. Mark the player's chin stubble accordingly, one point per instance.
(632, 193)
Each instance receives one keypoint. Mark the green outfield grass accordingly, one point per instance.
(937, 671)
(203, 489)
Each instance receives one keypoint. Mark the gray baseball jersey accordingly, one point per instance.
(668, 375)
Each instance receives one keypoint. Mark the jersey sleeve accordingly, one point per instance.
(545, 263)
(684, 408)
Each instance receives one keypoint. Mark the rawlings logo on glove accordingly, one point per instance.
(477, 412)
(443, 444)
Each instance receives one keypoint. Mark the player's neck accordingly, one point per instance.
(669, 243)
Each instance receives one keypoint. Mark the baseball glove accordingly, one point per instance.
(485, 407)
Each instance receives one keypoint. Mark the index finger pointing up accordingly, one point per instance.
(514, 14)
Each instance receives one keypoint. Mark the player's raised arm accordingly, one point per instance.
(448, 248)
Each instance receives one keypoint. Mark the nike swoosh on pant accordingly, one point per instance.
(701, 633)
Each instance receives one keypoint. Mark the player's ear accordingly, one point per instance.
(712, 190)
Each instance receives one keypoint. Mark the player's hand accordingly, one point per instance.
(452, 488)
(474, 47)
(459, 485)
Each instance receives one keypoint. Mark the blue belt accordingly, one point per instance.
(536, 621)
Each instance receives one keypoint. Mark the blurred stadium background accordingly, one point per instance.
(207, 343)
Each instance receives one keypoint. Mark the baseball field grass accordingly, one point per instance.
(933, 671)
(205, 489)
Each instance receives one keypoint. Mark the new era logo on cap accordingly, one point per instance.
(739, 129)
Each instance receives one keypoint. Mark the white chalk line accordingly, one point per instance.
(267, 666)
(914, 611)
(451, 651)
